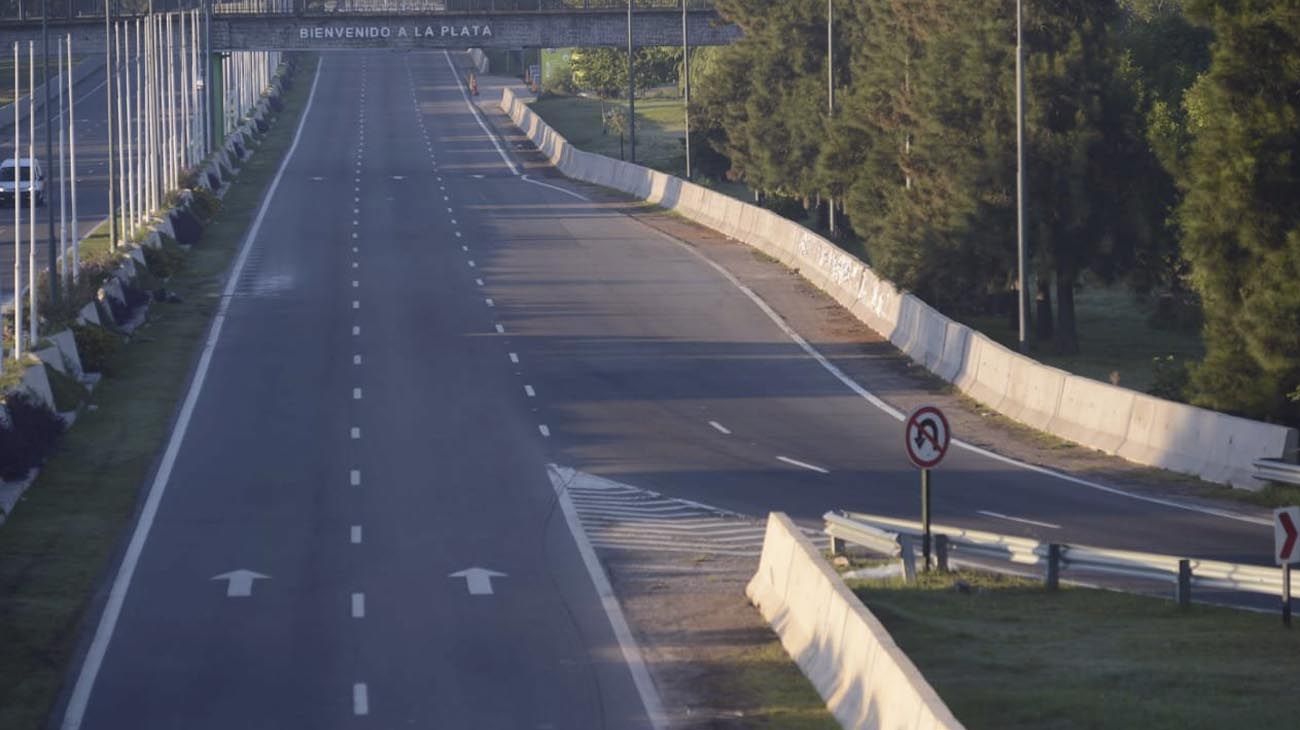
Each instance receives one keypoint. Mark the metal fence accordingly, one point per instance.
(986, 550)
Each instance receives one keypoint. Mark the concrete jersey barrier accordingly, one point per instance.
(1175, 436)
(865, 678)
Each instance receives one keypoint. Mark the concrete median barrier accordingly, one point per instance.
(864, 677)
(1091, 413)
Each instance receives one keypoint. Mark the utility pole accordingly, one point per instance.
(49, 154)
(686, 83)
(631, 87)
(1021, 248)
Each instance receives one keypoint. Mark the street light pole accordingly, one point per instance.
(830, 90)
(631, 87)
(1021, 250)
(686, 83)
(53, 248)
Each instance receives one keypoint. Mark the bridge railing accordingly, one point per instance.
(300, 7)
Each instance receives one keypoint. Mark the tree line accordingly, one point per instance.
(1162, 153)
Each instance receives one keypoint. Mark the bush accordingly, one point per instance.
(187, 226)
(68, 393)
(95, 346)
(205, 205)
(165, 261)
(28, 436)
(1169, 379)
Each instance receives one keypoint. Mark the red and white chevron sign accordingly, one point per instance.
(1286, 530)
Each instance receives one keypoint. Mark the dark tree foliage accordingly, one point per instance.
(1240, 215)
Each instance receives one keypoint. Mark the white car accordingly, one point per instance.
(31, 179)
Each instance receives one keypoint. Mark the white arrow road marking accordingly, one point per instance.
(478, 580)
(239, 583)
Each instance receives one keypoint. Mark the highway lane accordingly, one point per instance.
(359, 439)
(652, 368)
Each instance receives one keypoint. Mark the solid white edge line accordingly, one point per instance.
(90, 666)
(802, 464)
(871, 398)
(720, 428)
(557, 188)
(455, 74)
(1022, 520)
(645, 686)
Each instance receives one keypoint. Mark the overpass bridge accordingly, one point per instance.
(340, 25)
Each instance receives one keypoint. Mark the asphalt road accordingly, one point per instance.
(417, 333)
(360, 468)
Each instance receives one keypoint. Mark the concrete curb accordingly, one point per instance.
(1175, 436)
(864, 677)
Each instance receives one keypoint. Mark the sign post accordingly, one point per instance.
(1286, 551)
(926, 438)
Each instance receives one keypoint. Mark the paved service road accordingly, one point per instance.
(417, 332)
(361, 436)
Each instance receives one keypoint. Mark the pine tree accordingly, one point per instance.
(1239, 218)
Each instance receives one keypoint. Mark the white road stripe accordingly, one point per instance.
(720, 428)
(356, 432)
(627, 642)
(489, 302)
(356, 394)
(354, 477)
(501, 329)
(355, 535)
(360, 699)
(514, 358)
(545, 431)
(356, 330)
(356, 359)
(356, 304)
(529, 390)
(802, 464)
(358, 605)
(80, 697)
(1021, 520)
(478, 118)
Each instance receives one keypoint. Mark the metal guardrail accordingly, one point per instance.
(1277, 470)
(897, 538)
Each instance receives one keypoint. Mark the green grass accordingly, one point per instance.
(767, 687)
(660, 129)
(1114, 337)
(54, 549)
(1010, 655)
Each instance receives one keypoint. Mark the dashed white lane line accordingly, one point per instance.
(355, 535)
(802, 464)
(720, 428)
(545, 431)
(1021, 520)
(479, 282)
(457, 234)
(354, 477)
(356, 330)
(358, 605)
(464, 248)
(356, 304)
(471, 263)
(360, 699)
(356, 394)
(356, 432)
(356, 359)
(501, 329)
(489, 302)
(355, 283)
(529, 390)
(514, 358)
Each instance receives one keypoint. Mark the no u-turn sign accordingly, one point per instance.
(927, 437)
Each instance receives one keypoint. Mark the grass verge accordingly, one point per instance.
(660, 128)
(767, 690)
(1010, 655)
(55, 547)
